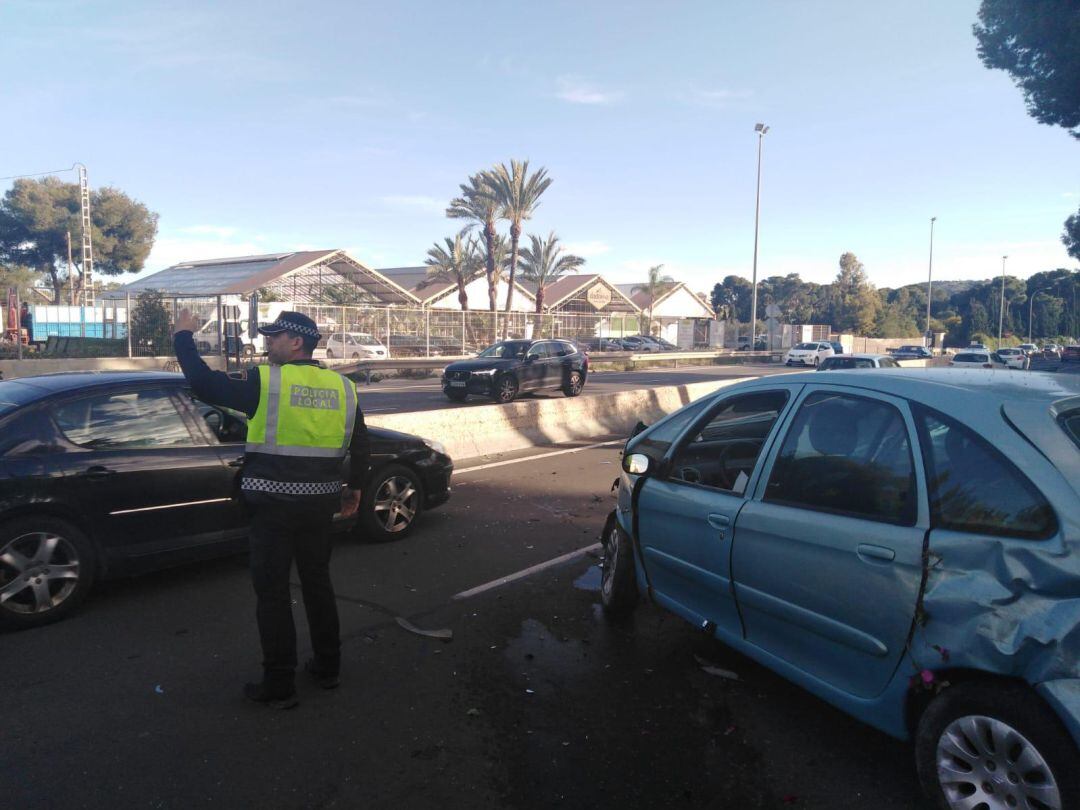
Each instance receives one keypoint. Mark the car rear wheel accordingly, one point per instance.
(816, 361)
(618, 588)
(355, 355)
(329, 354)
(574, 384)
(248, 351)
(997, 747)
(506, 389)
(391, 503)
(46, 568)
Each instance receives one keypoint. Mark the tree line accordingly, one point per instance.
(1044, 304)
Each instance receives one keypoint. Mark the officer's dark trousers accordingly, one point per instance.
(280, 534)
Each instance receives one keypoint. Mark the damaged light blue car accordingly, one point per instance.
(904, 543)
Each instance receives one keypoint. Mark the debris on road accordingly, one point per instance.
(711, 670)
(444, 634)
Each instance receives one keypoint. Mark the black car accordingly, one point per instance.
(640, 344)
(512, 367)
(596, 344)
(103, 474)
(911, 353)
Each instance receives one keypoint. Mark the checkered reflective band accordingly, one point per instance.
(299, 329)
(290, 487)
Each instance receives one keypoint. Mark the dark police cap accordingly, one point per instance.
(296, 322)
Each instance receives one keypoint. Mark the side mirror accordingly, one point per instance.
(635, 464)
(531, 357)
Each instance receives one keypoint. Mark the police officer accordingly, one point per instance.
(303, 418)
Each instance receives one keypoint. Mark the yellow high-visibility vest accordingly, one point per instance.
(304, 411)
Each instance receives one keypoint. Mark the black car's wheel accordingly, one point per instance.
(455, 396)
(46, 567)
(618, 588)
(506, 388)
(995, 746)
(574, 383)
(248, 351)
(788, 364)
(391, 503)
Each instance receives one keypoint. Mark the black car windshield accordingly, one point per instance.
(14, 394)
(506, 349)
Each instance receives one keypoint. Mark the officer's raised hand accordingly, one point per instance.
(186, 322)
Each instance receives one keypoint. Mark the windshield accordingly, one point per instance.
(807, 346)
(506, 349)
(14, 394)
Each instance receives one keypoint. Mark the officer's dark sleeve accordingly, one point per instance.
(359, 452)
(238, 391)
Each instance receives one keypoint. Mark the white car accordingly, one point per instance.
(809, 354)
(976, 358)
(1014, 358)
(354, 346)
(1028, 348)
(840, 362)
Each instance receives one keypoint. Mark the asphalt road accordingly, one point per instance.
(397, 395)
(537, 701)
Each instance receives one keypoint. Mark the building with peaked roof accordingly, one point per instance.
(304, 277)
(444, 294)
(678, 314)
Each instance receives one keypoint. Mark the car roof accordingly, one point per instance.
(45, 385)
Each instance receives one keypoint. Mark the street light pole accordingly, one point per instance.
(760, 129)
(929, 279)
(1001, 309)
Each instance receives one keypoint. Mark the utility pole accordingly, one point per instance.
(929, 279)
(71, 272)
(760, 129)
(87, 246)
(1001, 309)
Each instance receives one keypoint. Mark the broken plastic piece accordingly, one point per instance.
(445, 634)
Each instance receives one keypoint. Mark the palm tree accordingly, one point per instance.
(518, 195)
(457, 262)
(542, 264)
(652, 289)
(477, 202)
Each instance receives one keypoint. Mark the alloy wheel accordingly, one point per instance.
(395, 503)
(575, 382)
(984, 762)
(611, 559)
(38, 572)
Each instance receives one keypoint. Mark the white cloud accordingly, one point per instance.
(416, 202)
(577, 91)
(587, 249)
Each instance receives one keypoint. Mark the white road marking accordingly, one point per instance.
(540, 455)
(526, 572)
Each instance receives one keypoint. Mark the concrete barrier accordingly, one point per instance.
(472, 432)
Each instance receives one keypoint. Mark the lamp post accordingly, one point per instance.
(929, 279)
(1001, 309)
(760, 129)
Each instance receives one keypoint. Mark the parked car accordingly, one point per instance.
(905, 546)
(836, 363)
(640, 344)
(972, 358)
(837, 346)
(597, 344)
(1070, 354)
(911, 352)
(1028, 348)
(977, 345)
(103, 474)
(742, 344)
(512, 367)
(1051, 352)
(1013, 358)
(809, 354)
(354, 345)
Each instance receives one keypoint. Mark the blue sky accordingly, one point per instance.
(264, 127)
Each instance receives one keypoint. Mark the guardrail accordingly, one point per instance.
(369, 366)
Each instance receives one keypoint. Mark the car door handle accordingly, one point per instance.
(870, 553)
(98, 472)
(720, 522)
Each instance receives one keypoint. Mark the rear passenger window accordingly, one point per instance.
(723, 453)
(974, 488)
(849, 455)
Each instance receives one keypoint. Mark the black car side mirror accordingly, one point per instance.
(531, 357)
